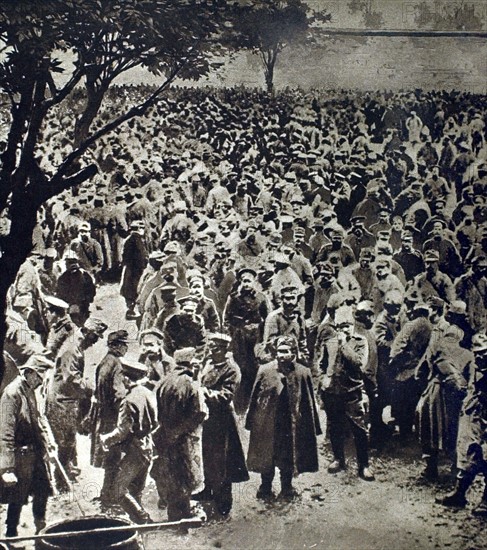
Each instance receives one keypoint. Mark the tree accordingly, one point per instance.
(444, 16)
(371, 17)
(266, 27)
(104, 39)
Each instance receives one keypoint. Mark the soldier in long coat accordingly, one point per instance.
(134, 261)
(107, 398)
(223, 457)
(283, 421)
(245, 314)
(24, 447)
(178, 466)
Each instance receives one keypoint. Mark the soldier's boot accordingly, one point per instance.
(288, 492)
(136, 512)
(13, 518)
(431, 470)
(457, 497)
(481, 508)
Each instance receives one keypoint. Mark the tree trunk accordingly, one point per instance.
(269, 79)
(84, 122)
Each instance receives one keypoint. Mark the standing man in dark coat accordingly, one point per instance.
(283, 421)
(24, 447)
(76, 287)
(137, 419)
(245, 314)
(223, 457)
(178, 467)
(107, 398)
(134, 261)
(341, 386)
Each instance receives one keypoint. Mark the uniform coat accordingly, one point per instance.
(23, 444)
(223, 457)
(134, 260)
(283, 421)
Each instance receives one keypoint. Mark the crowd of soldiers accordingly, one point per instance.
(276, 255)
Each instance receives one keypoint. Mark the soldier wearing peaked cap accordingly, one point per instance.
(107, 398)
(88, 250)
(154, 356)
(223, 458)
(24, 447)
(137, 419)
(67, 388)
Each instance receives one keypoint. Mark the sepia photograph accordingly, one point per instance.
(243, 274)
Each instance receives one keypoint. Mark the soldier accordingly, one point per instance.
(245, 314)
(223, 458)
(134, 260)
(471, 444)
(341, 386)
(153, 355)
(107, 398)
(136, 421)
(67, 388)
(87, 250)
(24, 447)
(178, 467)
(283, 421)
(185, 328)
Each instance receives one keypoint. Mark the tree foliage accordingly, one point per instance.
(104, 38)
(447, 16)
(266, 27)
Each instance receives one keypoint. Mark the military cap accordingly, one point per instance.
(72, 260)
(365, 305)
(458, 307)
(244, 270)
(118, 337)
(356, 219)
(287, 341)
(393, 297)
(435, 301)
(167, 289)
(157, 255)
(49, 253)
(96, 326)
(194, 274)
(184, 355)
(151, 332)
(172, 247)
(133, 369)
(366, 253)
(188, 298)
(53, 301)
(137, 224)
(84, 226)
(407, 236)
(219, 337)
(431, 256)
(281, 258)
(344, 314)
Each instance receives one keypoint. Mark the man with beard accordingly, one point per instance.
(76, 287)
(206, 306)
(245, 314)
(178, 467)
(366, 276)
(67, 388)
(159, 363)
(223, 458)
(137, 419)
(185, 328)
(336, 247)
(134, 260)
(283, 421)
(107, 398)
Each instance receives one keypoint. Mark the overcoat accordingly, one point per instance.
(283, 421)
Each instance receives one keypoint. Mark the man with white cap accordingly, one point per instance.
(24, 446)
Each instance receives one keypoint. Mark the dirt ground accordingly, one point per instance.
(341, 511)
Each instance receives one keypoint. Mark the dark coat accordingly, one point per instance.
(223, 456)
(181, 413)
(134, 259)
(283, 421)
(21, 427)
(109, 393)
